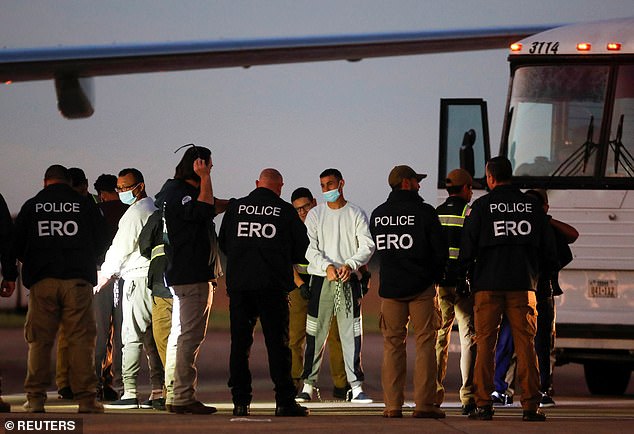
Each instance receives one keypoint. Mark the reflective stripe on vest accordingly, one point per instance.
(158, 251)
(454, 221)
(301, 268)
(451, 220)
(454, 252)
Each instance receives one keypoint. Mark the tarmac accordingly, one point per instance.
(577, 411)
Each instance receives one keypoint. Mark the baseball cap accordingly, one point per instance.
(458, 178)
(399, 173)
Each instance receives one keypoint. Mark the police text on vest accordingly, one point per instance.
(57, 207)
(394, 241)
(255, 229)
(259, 210)
(511, 207)
(509, 227)
(53, 228)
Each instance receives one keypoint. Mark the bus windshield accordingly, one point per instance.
(556, 119)
(620, 162)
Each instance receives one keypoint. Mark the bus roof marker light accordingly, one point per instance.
(516, 47)
(584, 46)
(614, 46)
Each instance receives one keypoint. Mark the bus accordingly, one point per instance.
(569, 128)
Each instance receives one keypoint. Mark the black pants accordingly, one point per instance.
(271, 307)
(108, 346)
(544, 341)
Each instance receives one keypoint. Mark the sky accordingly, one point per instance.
(362, 118)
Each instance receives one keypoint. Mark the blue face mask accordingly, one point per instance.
(332, 195)
(127, 197)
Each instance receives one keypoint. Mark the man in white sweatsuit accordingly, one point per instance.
(124, 259)
(340, 243)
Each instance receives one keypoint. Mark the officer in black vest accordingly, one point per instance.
(59, 236)
(263, 237)
(9, 270)
(507, 242)
(412, 251)
(453, 305)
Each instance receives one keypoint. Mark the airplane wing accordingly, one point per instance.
(72, 67)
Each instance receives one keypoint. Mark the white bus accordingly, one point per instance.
(569, 128)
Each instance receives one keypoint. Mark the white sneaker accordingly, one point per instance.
(362, 398)
(546, 401)
(303, 397)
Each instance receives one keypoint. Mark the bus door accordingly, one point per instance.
(464, 139)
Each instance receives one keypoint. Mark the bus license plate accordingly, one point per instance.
(603, 288)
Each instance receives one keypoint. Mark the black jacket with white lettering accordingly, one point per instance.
(506, 244)
(59, 234)
(261, 247)
(417, 260)
(191, 248)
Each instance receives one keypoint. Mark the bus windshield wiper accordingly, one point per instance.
(621, 151)
(578, 160)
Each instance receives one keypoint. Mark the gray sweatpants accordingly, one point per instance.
(136, 333)
(321, 309)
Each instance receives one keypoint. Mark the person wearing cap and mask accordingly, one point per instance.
(340, 244)
(412, 254)
(124, 259)
(453, 305)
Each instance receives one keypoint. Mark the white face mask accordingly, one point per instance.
(127, 197)
(332, 195)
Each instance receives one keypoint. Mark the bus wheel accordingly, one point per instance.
(605, 378)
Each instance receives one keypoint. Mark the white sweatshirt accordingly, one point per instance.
(337, 236)
(123, 256)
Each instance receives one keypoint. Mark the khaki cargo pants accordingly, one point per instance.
(66, 303)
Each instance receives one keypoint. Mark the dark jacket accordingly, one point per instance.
(548, 284)
(191, 250)
(452, 214)
(59, 234)
(9, 267)
(262, 236)
(151, 246)
(411, 247)
(112, 211)
(507, 241)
